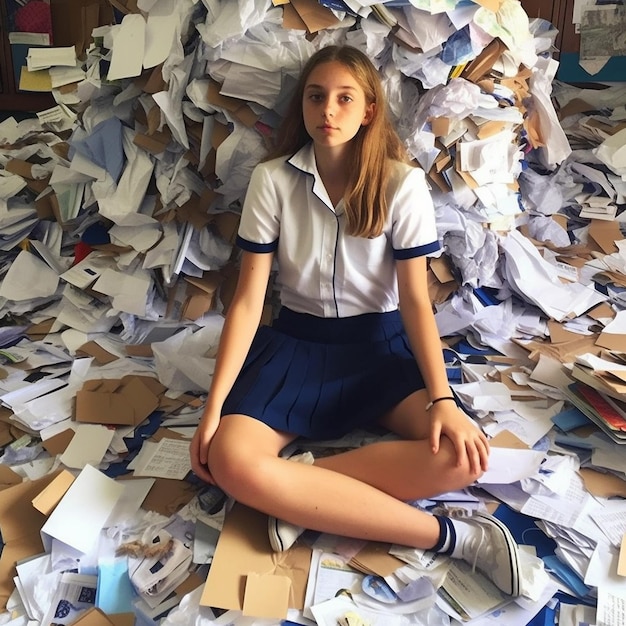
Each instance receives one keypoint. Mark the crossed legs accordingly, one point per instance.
(359, 493)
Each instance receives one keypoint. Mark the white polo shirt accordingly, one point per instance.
(322, 270)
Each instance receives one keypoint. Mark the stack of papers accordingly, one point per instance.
(118, 213)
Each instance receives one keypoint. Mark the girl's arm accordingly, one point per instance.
(242, 321)
(419, 321)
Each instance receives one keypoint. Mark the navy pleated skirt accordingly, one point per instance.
(324, 377)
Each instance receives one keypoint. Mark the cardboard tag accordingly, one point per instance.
(266, 595)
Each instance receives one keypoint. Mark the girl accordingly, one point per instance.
(349, 222)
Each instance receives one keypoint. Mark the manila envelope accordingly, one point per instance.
(243, 550)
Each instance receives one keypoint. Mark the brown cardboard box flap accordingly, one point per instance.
(102, 407)
(605, 234)
(100, 354)
(92, 617)
(21, 529)
(168, 495)
(126, 401)
(612, 341)
(8, 477)
(57, 444)
(291, 18)
(314, 15)
(603, 485)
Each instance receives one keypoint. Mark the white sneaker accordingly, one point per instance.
(283, 534)
(493, 551)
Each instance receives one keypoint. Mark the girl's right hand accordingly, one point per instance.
(200, 444)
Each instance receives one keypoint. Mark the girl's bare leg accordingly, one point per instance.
(406, 469)
(361, 498)
(360, 493)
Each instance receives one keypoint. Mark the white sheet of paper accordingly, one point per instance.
(141, 238)
(121, 204)
(128, 48)
(508, 466)
(88, 446)
(170, 101)
(47, 410)
(30, 391)
(611, 607)
(609, 457)
(88, 270)
(537, 280)
(28, 278)
(30, 574)
(169, 458)
(129, 292)
(161, 28)
(612, 521)
(617, 325)
(563, 510)
(10, 186)
(551, 372)
(612, 151)
(81, 514)
(135, 492)
(9, 130)
(43, 58)
(601, 568)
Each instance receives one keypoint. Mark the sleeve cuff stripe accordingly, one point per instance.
(409, 253)
(251, 246)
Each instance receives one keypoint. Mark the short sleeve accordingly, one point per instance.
(414, 231)
(260, 217)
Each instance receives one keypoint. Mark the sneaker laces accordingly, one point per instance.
(476, 544)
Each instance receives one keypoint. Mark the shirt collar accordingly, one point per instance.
(304, 160)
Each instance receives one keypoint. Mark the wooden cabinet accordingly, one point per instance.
(11, 98)
(559, 13)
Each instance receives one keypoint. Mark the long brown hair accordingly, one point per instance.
(375, 145)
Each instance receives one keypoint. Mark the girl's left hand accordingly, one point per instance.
(470, 443)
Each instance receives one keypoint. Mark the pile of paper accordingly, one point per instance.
(118, 211)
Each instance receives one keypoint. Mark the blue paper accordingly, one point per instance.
(525, 531)
(104, 147)
(546, 617)
(115, 591)
(570, 419)
(567, 575)
(458, 49)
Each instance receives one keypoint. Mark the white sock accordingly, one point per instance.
(454, 535)
(464, 533)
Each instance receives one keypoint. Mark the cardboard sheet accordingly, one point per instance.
(21, 524)
(126, 401)
(243, 549)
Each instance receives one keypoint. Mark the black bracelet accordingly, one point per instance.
(430, 404)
